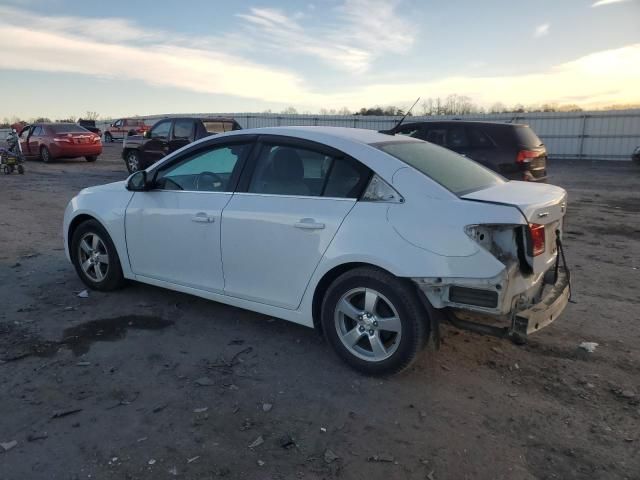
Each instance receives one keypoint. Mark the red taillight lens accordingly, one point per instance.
(525, 156)
(537, 238)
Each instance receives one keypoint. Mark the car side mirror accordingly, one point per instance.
(138, 182)
(145, 134)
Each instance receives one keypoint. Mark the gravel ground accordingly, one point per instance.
(145, 383)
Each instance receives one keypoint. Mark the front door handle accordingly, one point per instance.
(309, 224)
(202, 217)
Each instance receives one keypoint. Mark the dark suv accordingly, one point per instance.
(511, 149)
(168, 135)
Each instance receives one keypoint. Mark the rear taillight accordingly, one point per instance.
(525, 156)
(537, 238)
(96, 139)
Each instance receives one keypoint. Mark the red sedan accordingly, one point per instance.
(49, 141)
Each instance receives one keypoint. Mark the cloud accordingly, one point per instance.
(600, 3)
(159, 59)
(541, 30)
(364, 30)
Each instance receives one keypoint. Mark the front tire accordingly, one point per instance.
(374, 321)
(108, 137)
(91, 158)
(45, 154)
(95, 258)
(132, 159)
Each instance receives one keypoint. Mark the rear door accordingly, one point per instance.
(35, 139)
(158, 144)
(293, 198)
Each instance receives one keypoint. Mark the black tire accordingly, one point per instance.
(112, 274)
(402, 297)
(133, 161)
(91, 158)
(108, 137)
(45, 154)
(6, 170)
(20, 169)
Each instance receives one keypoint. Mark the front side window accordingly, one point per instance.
(456, 173)
(37, 131)
(117, 123)
(205, 171)
(183, 130)
(161, 130)
(287, 170)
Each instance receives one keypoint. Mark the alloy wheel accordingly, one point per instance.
(368, 324)
(133, 161)
(93, 257)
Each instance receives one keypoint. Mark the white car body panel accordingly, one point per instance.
(174, 236)
(260, 260)
(272, 244)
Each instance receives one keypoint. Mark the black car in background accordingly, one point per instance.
(511, 149)
(168, 135)
(90, 125)
(635, 156)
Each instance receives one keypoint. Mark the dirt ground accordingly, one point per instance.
(145, 383)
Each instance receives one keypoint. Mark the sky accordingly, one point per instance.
(66, 57)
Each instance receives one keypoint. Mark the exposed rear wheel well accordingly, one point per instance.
(324, 284)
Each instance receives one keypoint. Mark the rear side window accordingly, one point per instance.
(183, 130)
(478, 139)
(288, 170)
(457, 137)
(456, 173)
(526, 137)
(217, 127)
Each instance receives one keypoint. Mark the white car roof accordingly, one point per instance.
(326, 134)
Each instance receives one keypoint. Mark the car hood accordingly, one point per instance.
(538, 202)
(109, 187)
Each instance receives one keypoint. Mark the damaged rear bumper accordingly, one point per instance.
(519, 323)
(547, 310)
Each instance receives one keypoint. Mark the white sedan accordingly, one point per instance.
(369, 238)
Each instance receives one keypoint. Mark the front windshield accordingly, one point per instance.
(451, 170)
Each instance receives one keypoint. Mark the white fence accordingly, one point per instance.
(594, 135)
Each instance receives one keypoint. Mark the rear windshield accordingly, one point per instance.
(527, 137)
(67, 128)
(218, 127)
(449, 169)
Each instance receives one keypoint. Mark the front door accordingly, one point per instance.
(173, 231)
(276, 231)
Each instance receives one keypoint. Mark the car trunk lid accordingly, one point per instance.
(540, 204)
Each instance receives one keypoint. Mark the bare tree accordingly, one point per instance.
(89, 115)
(289, 111)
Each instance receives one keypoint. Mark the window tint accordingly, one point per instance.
(206, 171)
(67, 128)
(527, 137)
(161, 130)
(452, 171)
(457, 137)
(347, 179)
(436, 135)
(183, 130)
(410, 131)
(38, 131)
(478, 139)
(285, 170)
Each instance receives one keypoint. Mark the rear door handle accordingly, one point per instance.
(202, 217)
(309, 224)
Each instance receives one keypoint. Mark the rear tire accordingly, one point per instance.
(20, 169)
(374, 321)
(45, 154)
(95, 257)
(108, 137)
(91, 158)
